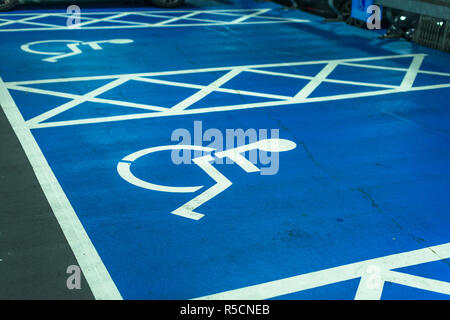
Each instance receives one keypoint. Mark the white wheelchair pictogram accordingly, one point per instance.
(205, 163)
(70, 47)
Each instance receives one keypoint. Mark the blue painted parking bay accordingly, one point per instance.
(359, 208)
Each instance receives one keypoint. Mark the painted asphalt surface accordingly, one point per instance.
(369, 177)
(34, 252)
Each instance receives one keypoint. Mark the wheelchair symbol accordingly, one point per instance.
(204, 162)
(71, 48)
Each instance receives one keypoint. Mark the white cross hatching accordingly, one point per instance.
(185, 106)
(373, 275)
(120, 20)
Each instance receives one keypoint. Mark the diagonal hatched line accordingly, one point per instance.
(417, 282)
(316, 81)
(81, 99)
(207, 90)
(27, 21)
(176, 18)
(90, 25)
(248, 16)
(85, 98)
(201, 87)
(169, 17)
(75, 102)
(84, 17)
(107, 19)
(264, 17)
(187, 71)
(291, 75)
(275, 103)
(411, 74)
(277, 100)
(33, 23)
(247, 67)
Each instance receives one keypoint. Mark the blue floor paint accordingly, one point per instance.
(33, 104)
(432, 270)
(217, 99)
(351, 73)
(95, 110)
(394, 291)
(304, 70)
(340, 291)
(369, 177)
(266, 84)
(203, 78)
(149, 93)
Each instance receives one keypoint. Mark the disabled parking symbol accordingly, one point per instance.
(205, 163)
(69, 48)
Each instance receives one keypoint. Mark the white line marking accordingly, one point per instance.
(264, 17)
(311, 280)
(290, 75)
(77, 97)
(316, 81)
(230, 108)
(131, 12)
(106, 19)
(176, 19)
(368, 66)
(248, 16)
(180, 108)
(25, 20)
(206, 90)
(115, 16)
(33, 23)
(366, 291)
(255, 66)
(69, 105)
(411, 74)
(417, 282)
(201, 87)
(169, 17)
(96, 274)
(282, 74)
(63, 15)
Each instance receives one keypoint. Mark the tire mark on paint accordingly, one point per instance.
(368, 196)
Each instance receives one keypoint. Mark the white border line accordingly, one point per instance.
(95, 272)
(384, 265)
(183, 107)
(346, 61)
